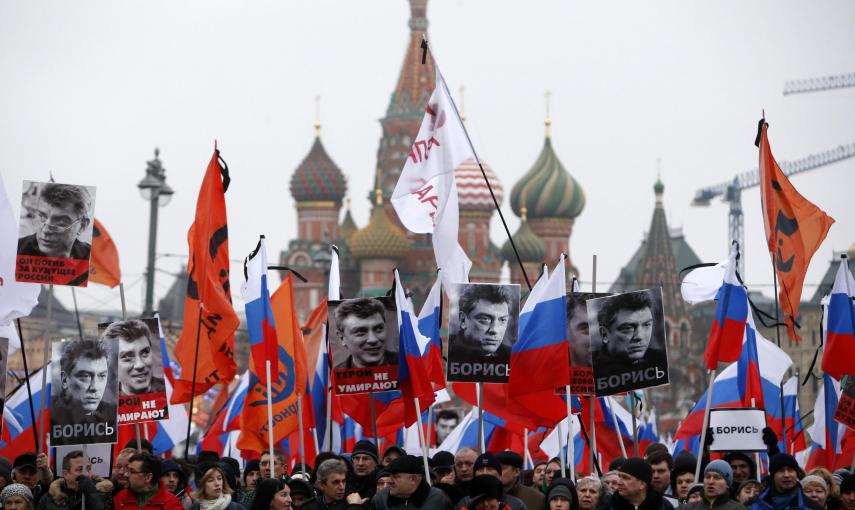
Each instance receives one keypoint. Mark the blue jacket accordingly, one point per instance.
(766, 501)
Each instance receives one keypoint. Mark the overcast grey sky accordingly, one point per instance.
(89, 89)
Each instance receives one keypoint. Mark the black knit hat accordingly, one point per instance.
(252, 465)
(442, 460)
(408, 464)
(780, 461)
(365, 447)
(489, 460)
(484, 487)
(848, 484)
(509, 458)
(639, 468)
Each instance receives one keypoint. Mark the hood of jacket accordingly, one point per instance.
(59, 492)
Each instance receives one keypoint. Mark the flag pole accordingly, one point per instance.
(526, 456)
(426, 48)
(705, 425)
(429, 423)
(77, 314)
(269, 418)
(612, 404)
(46, 358)
(27, 382)
(422, 440)
(300, 424)
(562, 442)
(124, 317)
(193, 383)
(480, 395)
(778, 337)
(571, 447)
(633, 400)
(756, 454)
(592, 448)
(373, 422)
(315, 437)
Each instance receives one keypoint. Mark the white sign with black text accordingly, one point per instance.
(737, 429)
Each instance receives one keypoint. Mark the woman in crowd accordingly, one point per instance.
(16, 496)
(561, 495)
(748, 490)
(591, 493)
(214, 493)
(272, 494)
(612, 480)
(816, 489)
(833, 502)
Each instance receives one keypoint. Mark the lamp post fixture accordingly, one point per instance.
(323, 262)
(153, 188)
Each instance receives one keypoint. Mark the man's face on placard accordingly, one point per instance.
(444, 426)
(135, 359)
(485, 324)
(364, 338)
(629, 334)
(580, 336)
(57, 228)
(86, 382)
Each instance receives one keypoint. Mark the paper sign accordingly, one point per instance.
(845, 412)
(99, 456)
(737, 429)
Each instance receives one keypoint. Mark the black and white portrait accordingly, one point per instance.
(579, 339)
(84, 392)
(483, 325)
(628, 347)
(445, 420)
(55, 233)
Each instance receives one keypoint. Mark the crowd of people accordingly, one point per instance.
(464, 480)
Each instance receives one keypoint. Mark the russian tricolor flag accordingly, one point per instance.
(540, 359)
(750, 383)
(430, 319)
(263, 344)
(839, 356)
(826, 432)
(731, 314)
(413, 377)
(18, 436)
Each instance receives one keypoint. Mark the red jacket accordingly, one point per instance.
(163, 500)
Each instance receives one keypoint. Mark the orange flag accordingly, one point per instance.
(104, 260)
(290, 384)
(208, 314)
(795, 228)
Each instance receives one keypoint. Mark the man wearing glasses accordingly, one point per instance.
(60, 216)
(144, 491)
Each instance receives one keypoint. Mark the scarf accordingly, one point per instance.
(220, 503)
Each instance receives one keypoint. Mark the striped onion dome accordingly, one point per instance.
(472, 192)
(317, 178)
(548, 190)
(529, 245)
(381, 238)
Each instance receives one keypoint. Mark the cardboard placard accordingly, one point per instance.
(737, 429)
(845, 411)
(99, 457)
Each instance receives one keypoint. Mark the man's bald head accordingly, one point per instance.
(464, 464)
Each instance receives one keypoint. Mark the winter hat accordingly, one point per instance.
(228, 474)
(814, 479)
(780, 461)
(442, 460)
(484, 487)
(698, 487)
(562, 487)
(639, 468)
(365, 447)
(253, 465)
(489, 460)
(509, 458)
(721, 467)
(169, 466)
(394, 449)
(847, 485)
(408, 464)
(616, 463)
(16, 489)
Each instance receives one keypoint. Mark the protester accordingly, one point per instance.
(16, 496)
(635, 490)
(278, 464)
(748, 490)
(384, 480)
(487, 464)
(272, 494)
(742, 465)
(695, 494)
(76, 484)
(561, 495)
(511, 463)
(464, 469)
(538, 474)
(590, 492)
(409, 489)
(683, 475)
(553, 471)
(442, 467)
(144, 491)
(612, 480)
(486, 495)
(331, 483)
(140, 445)
(33, 471)
(833, 502)
(119, 475)
(784, 491)
(716, 489)
(365, 462)
(5, 470)
(213, 491)
(816, 489)
(662, 463)
(392, 453)
(173, 479)
(250, 474)
(847, 492)
(301, 493)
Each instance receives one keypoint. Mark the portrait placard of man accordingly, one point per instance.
(579, 338)
(142, 390)
(363, 341)
(84, 391)
(628, 347)
(55, 233)
(446, 420)
(483, 325)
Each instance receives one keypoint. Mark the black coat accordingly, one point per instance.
(425, 497)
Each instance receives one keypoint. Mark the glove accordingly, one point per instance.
(709, 439)
(770, 439)
(85, 484)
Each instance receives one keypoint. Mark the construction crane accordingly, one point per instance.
(731, 191)
(839, 81)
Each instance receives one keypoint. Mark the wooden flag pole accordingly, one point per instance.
(422, 440)
(46, 358)
(705, 425)
(27, 382)
(269, 418)
(300, 425)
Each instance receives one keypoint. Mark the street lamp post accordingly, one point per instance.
(153, 188)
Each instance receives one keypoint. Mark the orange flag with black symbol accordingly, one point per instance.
(795, 228)
(104, 259)
(208, 314)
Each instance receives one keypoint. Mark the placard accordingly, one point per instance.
(737, 429)
(845, 411)
(483, 326)
(55, 233)
(628, 346)
(579, 339)
(99, 457)
(84, 391)
(142, 389)
(363, 344)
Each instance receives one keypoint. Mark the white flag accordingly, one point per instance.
(425, 196)
(16, 299)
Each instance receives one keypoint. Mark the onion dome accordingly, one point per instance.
(472, 192)
(318, 178)
(548, 190)
(381, 238)
(348, 226)
(530, 247)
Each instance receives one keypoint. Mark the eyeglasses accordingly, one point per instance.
(133, 472)
(64, 226)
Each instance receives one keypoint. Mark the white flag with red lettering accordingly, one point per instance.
(425, 196)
